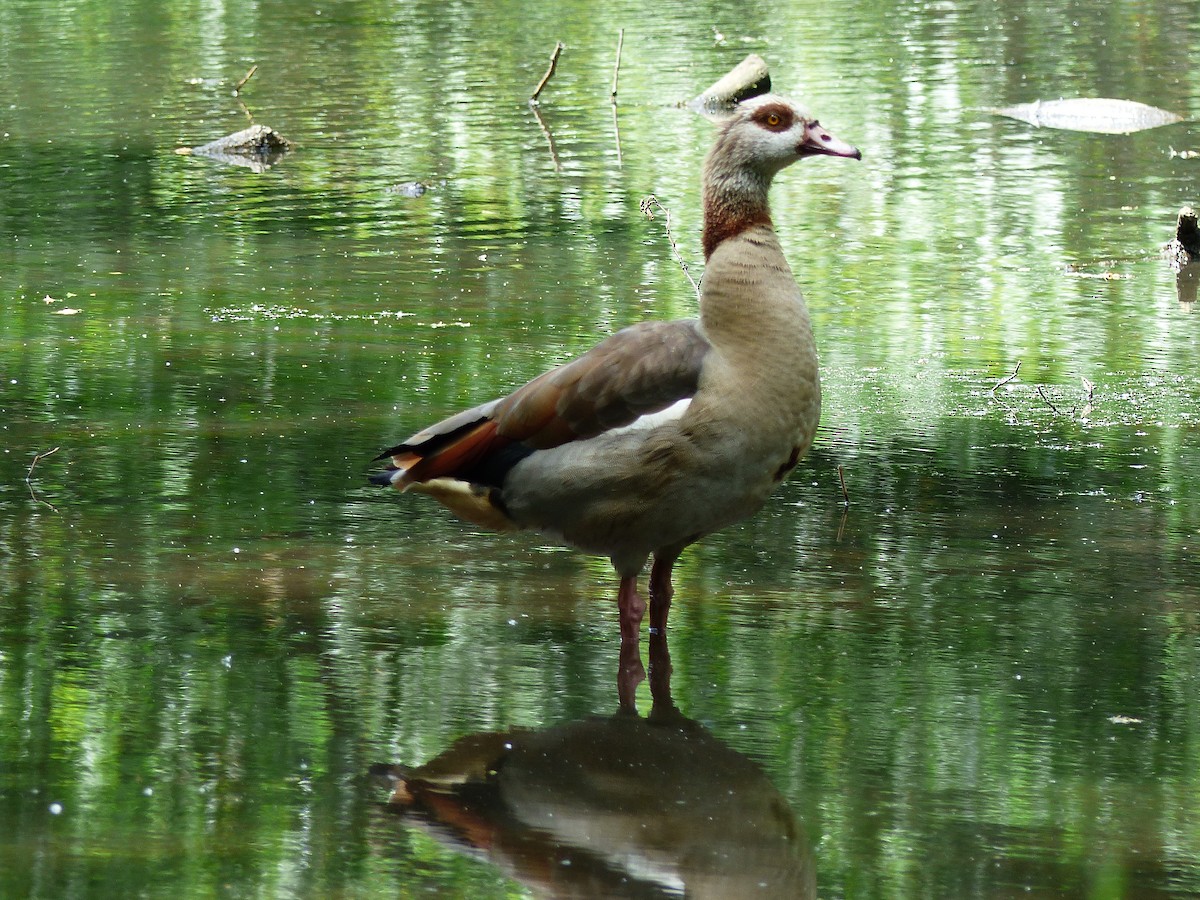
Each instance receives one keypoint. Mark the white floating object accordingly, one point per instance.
(1096, 114)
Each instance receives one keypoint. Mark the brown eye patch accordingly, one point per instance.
(774, 117)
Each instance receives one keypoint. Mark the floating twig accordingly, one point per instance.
(29, 475)
(617, 67)
(1003, 381)
(37, 459)
(1042, 394)
(537, 91)
(842, 481)
(647, 208)
(237, 88)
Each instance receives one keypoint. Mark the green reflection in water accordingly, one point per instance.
(978, 681)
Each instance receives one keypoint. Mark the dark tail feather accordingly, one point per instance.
(383, 478)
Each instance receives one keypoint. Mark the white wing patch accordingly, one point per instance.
(653, 420)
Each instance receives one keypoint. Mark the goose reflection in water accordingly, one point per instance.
(619, 806)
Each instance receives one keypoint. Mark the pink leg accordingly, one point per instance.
(630, 672)
(660, 593)
(631, 607)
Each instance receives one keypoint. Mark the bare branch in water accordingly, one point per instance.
(237, 88)
(1003, 381)
(37, 459)
(1090, 388)
(1090, 394)
(617, 67)
(29, 475)
(537, 91)
(1042, 394)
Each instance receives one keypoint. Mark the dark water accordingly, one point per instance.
(978, 680)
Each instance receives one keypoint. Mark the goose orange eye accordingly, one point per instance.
(773, 119)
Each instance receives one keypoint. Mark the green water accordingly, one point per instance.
(978, 680)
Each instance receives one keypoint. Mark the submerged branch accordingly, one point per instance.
(549, 135)
(617, 135)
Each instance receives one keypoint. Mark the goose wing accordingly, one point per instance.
(637, 371)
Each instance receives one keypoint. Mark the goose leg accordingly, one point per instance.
(631, 607)
(661, 592)
(630, 671)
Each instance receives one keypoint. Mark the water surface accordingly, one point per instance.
(979, 679)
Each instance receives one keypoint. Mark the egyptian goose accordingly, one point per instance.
(665, 431)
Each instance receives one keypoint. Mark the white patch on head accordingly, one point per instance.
(752, 149)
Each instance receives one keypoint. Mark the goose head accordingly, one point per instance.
(762, 136)
(769, 132)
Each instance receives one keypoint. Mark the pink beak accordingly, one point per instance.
(819, 142)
